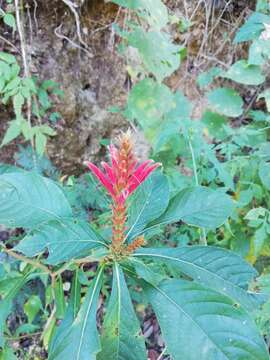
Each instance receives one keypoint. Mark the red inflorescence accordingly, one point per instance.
(121, 179)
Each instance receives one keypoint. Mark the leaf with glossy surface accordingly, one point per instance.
(148, 202)
(191, 314)
(28, 199)
(64, 240)
(121, 336)
(81, 341)
(216, 268)
(198, 206)
(226, 101)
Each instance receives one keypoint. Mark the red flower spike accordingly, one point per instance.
(120, 180)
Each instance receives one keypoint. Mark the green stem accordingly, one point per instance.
(203, 239)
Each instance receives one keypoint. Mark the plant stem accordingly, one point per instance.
(26, 260)
(203, 239)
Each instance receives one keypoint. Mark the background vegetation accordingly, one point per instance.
(192, 81)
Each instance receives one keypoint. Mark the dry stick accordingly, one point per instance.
(215, 25)
(35, 14)
(25, 62)
(253, 99)
(205, 35)
(61, 36)
(10, 44)
(43, 267)
(78, 25)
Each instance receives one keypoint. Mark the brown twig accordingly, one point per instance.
(26, 259)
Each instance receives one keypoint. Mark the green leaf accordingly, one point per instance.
(81, 340)
(7, 354)
(6, 301)
(159, 55)
(260, 237)
(9, 20)
(264, 173)
(256, 213)
(12, 132)
(32, 307)
(43, 98)
(148, 102)
(252, 28)
(262, 5)
(40, 142)
(191, 314)
(244, 73)
(121, 334)
(5, 309)
(226, 101)
(148, 202)
(207, 77)
(28, 199)
(60, 299)
(70, 315)
(64, 240)
(259, 52)
(13, 85)
(154, 11)
(198, 206)
(170, 126)
(215, 124)
(216, 268)
(18, 102)
(29, 83)
(26, 129)
(47, 130)
(8, 58)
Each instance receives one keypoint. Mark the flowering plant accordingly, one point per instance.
(121, 179)
(197, 292)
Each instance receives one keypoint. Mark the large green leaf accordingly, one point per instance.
(167, 132)
(226, 101)
(199, 206)
(64, 240)
(154, 11)
(121, 336)
(191, 314)
(264, 173)
(148, 101)
(28, 199)
(252, 28)
(244, 73)
(259, 52)
(217, 268)
(81, 341)
(71, 313)
(159, 55)
(148, 202)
